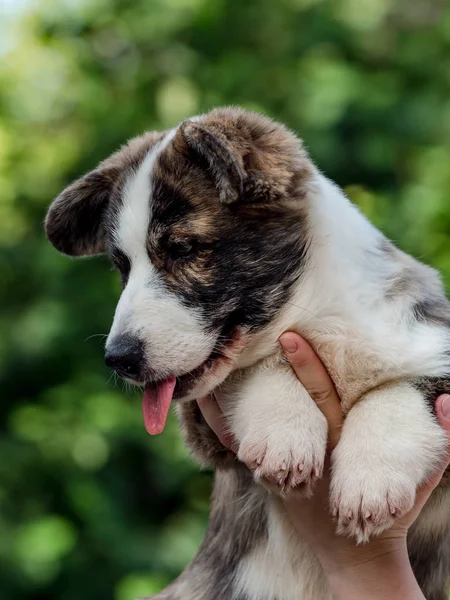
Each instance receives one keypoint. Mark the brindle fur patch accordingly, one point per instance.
(201, 440)
(429, 546)
(432, 387)
(237, 525)
(248, 253)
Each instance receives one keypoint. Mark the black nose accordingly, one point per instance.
(125, 355)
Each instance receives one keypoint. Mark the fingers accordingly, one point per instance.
(443, 412)
(442, 407)
(314, 377)
(214, 417)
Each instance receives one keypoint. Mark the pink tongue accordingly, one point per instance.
(156, 404)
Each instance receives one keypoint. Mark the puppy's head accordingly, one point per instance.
(206, 225)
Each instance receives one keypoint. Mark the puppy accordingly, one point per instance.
(225, 235)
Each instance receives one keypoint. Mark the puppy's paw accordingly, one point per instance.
(367, 502)
(286, 457)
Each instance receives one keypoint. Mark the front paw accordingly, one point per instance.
(288, 457)
(367, 502)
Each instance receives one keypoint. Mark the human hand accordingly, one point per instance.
(349, 568)
(339, 555)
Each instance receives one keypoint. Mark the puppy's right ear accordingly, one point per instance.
(75, 220)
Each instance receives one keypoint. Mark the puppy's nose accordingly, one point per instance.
(125, 355)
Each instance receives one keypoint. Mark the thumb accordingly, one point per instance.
(442, 407)
(443, 412)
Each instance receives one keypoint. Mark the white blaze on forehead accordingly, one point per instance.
(134, 215)
(173, 334)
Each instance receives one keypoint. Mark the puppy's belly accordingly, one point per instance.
(281, 567)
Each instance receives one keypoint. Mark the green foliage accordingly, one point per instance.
(90, 506)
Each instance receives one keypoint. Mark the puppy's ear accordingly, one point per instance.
(75, 220)
(251, 159)
(223, 161)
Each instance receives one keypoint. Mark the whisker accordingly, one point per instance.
(102, 335)
(113, 377)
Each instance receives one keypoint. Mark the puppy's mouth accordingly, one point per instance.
(158, 395)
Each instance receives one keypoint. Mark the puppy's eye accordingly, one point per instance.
(182, 250)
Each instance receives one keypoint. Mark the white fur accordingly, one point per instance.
(283, 567)
(370, 346)
(391, 444)
(282, 432)
(340, 304)
(174, 336)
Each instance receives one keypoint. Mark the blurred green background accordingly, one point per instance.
(90, 506)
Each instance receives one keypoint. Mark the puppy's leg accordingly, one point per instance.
(281, 432)
(429, 544)
(201, 440)
(391, 442)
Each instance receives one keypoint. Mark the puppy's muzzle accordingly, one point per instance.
(125, 355)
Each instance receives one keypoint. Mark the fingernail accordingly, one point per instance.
(289, 344)
(445, 406)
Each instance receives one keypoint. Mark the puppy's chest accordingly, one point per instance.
(361, 356)
(353, 362)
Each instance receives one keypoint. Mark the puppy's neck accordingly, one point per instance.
(345, 271)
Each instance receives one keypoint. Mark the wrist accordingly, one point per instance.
(381, 569)
(346, 555)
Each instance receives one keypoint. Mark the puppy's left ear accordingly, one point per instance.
(223, 161)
